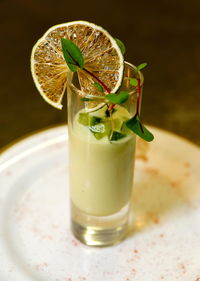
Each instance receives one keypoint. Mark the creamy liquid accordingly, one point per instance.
(101, 173)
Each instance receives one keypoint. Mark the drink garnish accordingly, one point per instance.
(97, 58)
(76, 46)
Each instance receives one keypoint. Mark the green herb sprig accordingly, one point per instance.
(121, 46)
(75, 60)
(72, 55)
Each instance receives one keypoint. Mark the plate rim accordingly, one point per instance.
(34, 133)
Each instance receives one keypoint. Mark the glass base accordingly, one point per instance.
(99, 231)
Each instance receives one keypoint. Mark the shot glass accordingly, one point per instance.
(101, 166)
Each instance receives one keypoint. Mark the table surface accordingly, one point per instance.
(166, 34)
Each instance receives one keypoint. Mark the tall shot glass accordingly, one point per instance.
(100, 171)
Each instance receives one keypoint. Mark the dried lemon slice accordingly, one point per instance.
(101, 53)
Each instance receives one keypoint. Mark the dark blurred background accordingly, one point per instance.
(164, 33)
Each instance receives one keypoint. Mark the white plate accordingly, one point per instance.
(35, 240)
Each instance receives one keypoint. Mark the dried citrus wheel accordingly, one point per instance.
(102, 57)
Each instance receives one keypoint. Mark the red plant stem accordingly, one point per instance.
(90, 73)
(100, 82)
(138, 103)
(111, 107)
(138, 97)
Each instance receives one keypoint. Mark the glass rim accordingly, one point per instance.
(133, 67)
(141, 76)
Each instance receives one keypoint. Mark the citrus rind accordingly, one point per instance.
(101, 54)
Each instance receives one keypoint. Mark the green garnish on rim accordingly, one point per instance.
(75, 60)
(57, 54)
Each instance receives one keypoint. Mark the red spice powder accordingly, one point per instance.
(187, 164)
(41, 266)
(75, 243)
(183, 268)
(156, 220)
(187, 174)
(176, 183)
(152, 171)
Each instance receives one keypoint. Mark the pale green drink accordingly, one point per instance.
(101, 162)
(101, 170)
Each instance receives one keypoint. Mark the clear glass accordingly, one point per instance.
(101, 170)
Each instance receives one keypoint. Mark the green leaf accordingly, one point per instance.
(118, 98)
(93, 98)
(141, 66)
(116, 136)
(85, 99)
(133, 82)
(121, 46)
(98, 87)
(72, 54)
(135, 125)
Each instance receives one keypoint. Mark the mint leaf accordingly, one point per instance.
(118, 98)
(116, 136)
(135, 125)
(133, 82)
(98, 87)
(141, 66)
(121, 46)
(72, 55)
